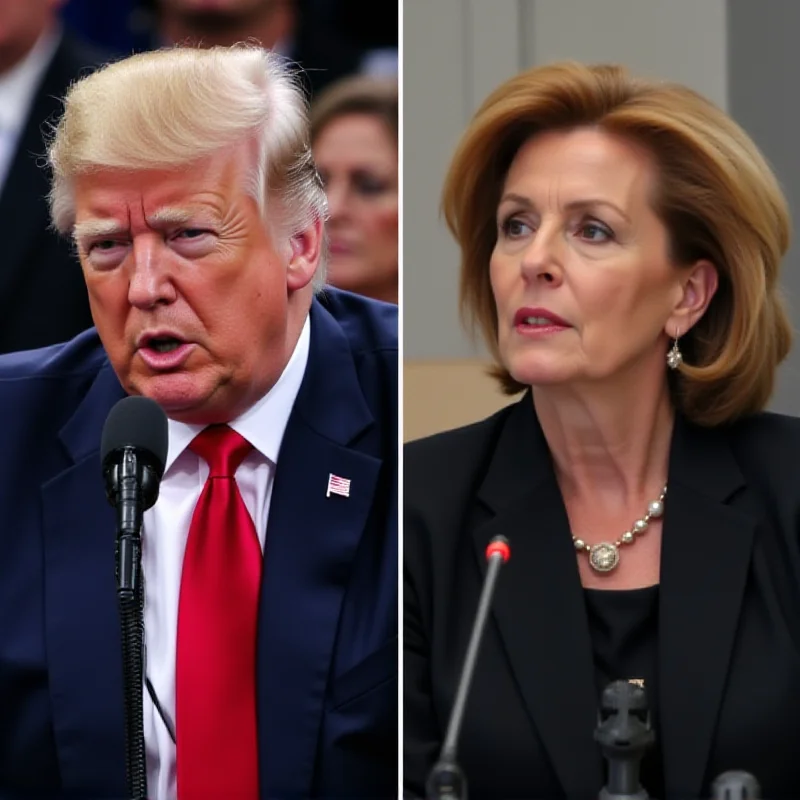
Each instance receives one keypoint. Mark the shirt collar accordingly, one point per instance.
(264, 423)
(18, 85)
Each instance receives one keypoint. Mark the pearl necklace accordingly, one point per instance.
(604, 557)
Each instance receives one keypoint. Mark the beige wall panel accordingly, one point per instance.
(439, 395)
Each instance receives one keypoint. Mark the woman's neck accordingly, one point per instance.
(608, 442)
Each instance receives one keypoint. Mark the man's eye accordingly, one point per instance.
(103, 244)
(191, 233)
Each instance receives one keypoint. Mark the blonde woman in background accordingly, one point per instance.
(354, 140)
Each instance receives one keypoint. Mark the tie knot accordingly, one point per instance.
(222, 449)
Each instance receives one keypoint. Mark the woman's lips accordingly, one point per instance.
(338, 248)
(538, 322)
(539, 330)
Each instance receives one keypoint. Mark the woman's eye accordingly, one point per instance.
(595, 232)
(369, 184)
(514, 227)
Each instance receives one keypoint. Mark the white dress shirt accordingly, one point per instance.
(164, 533)
(18, 87)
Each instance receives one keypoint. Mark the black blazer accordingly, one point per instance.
(43, 298)
(728, 626)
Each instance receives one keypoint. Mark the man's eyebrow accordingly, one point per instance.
(170, 215)
(163, 217)
(97, 227)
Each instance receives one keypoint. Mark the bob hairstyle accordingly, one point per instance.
(172, 107)
(716, 196)
(362, 94)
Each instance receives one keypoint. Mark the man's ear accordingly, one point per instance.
(304, 256)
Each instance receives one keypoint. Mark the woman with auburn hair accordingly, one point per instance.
(620, 246)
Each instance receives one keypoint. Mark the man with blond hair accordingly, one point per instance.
(185, 180)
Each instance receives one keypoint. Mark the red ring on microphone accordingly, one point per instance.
(499, 547)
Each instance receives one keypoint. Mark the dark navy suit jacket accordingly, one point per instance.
(327, 638)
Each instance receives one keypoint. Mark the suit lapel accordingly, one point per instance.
(82, 628)
(539, 606)
(23, 215)
(311, 540)
(704, 564)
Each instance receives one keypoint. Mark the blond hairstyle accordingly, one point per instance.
(716, 195)
(362, 94)
(172, 107)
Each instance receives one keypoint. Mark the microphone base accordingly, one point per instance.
(446, 782)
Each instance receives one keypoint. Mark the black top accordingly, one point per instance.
(728, 653)
(623, 626)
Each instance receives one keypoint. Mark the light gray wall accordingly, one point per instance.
(763, 68)
(456, 51)
(680, 40)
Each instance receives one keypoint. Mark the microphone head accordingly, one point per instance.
(498, 546)
(139, 423)
(735, 785)
(136, 424)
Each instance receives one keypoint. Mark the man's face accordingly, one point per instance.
(197, 305)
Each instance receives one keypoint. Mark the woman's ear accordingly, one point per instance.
(698, 287)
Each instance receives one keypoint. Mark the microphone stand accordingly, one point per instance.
(130, 597)
(624, 734)
(446, 780)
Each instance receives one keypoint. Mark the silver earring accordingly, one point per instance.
(674, 356)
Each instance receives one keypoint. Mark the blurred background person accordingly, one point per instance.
(354, 135)
(329, 39)
(46, 44)
(42, 293)
(198, 22)
(313, 33)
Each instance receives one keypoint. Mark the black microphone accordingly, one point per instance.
(133, 451)
(446, 780)
(735, 785)
(624, 734)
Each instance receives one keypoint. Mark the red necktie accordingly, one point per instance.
(217, 747)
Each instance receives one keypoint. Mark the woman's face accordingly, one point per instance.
(357, 159)
(581, 274)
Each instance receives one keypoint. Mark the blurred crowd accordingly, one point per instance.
(348, 58)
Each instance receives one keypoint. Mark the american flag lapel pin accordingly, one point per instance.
(337, 485)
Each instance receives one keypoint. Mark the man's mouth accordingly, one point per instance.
(164, 344)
